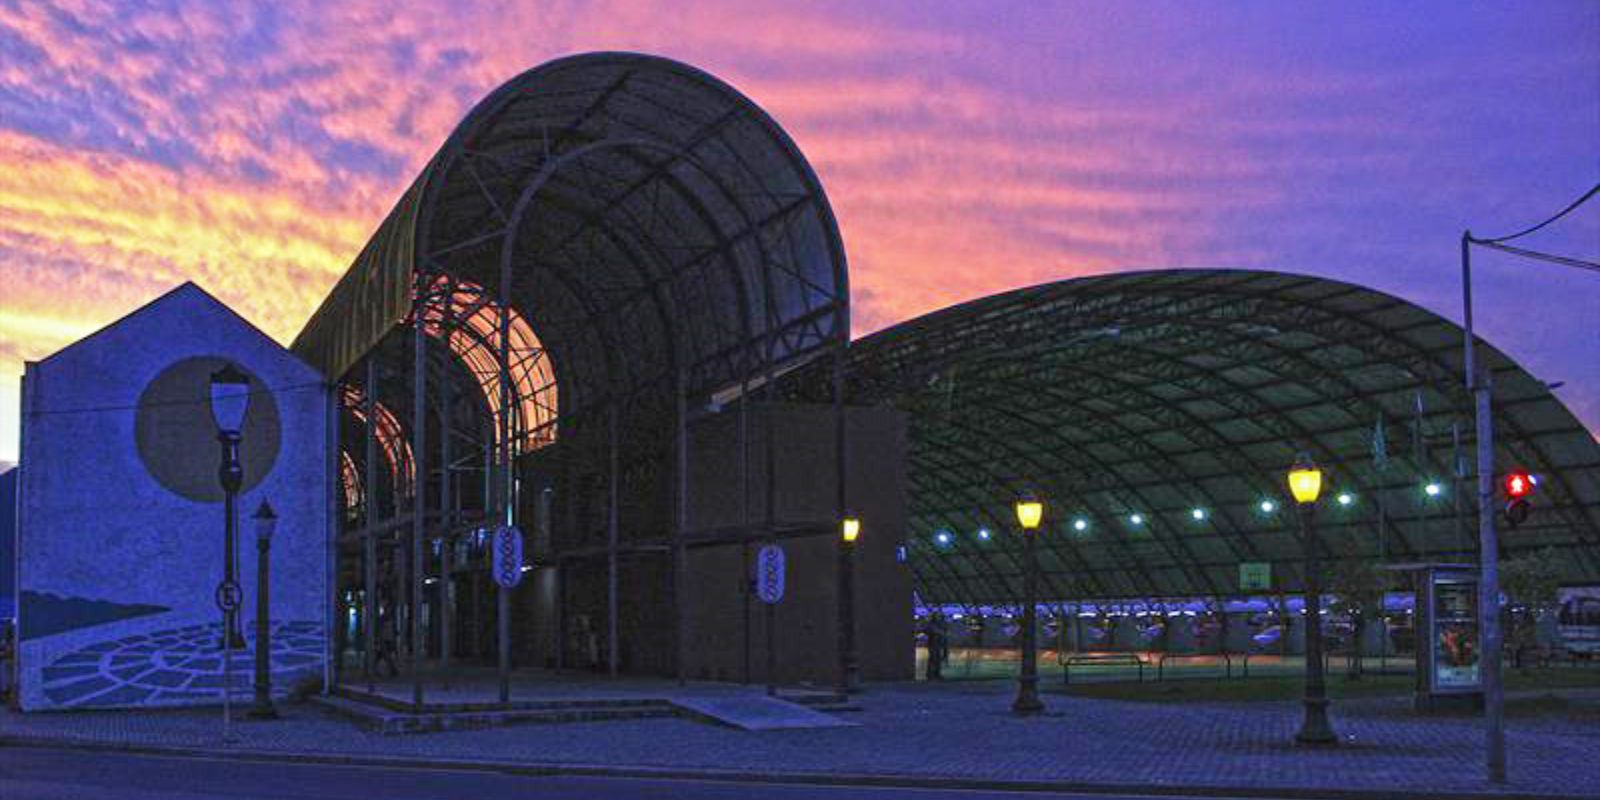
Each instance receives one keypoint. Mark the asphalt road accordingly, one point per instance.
(46, 774)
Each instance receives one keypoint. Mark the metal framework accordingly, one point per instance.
(1158, 393)
(605, 243)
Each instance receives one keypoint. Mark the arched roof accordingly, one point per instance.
(650, 221)
(1159, 393)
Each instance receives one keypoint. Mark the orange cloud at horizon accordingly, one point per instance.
(254, 149)
(92, 235)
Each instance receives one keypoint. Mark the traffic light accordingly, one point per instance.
(1518, 485)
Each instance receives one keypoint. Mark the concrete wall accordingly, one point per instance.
(726, 628)
(728, 631)
(120, 540)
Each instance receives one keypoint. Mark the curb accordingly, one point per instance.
(876, 780)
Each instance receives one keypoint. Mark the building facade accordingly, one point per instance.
(120, 547)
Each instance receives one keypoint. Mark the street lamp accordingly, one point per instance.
(266, 523)
(1305, 483)
(1030, 512)
(230, 399)
(849, 671)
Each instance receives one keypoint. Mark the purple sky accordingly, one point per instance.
(967, 148)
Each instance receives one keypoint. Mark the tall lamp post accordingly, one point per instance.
(230, 399)
(1305, 483)
(266, 523)
(849, 670)
(1030, 512)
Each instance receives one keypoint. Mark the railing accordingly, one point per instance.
(1105, 660)
(1161, 663)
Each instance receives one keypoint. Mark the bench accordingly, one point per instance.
(1161, 664)
(1102, 660)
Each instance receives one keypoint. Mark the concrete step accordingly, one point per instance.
(383, 718)
(548, 704)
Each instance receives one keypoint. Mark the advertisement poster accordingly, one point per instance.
(1455, 622)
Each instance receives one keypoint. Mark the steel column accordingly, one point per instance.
(369, 616)
(613, 474)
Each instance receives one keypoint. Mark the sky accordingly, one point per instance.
(966, 148)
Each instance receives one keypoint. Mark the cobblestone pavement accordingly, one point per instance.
(964, 731)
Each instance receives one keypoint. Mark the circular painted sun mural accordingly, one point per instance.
(177, 438)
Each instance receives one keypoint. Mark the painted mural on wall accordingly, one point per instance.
(121, 535)
(178, 665)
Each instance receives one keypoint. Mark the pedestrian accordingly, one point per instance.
(938, 646)
(387, 648)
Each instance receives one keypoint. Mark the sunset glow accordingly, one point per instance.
(966, 149)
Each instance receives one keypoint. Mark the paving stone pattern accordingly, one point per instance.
(962, 731)
(181, 665)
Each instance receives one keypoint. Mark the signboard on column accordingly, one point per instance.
(769, 573)
(505, 548)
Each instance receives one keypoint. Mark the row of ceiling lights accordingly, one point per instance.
(945, 538)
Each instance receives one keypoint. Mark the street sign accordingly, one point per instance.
(769, 573)
(229, 596)
(1255, 576)
(505, 547)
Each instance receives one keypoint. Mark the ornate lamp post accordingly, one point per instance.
(230, 399)
(849, 670)
(1305, 483)
(1030, 512)
(266, 523)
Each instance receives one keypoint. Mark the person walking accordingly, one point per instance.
(938, 646)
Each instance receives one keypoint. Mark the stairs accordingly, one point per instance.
(388, 716)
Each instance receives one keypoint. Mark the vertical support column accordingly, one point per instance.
(848, 677)
(447, 521)
(333, 625)
(568, 491)
(744, 516)
(369, 616)
(1458, 479)
(419, 493)
(680, 530)
(771, 513)
(612, 470)
(505, 477)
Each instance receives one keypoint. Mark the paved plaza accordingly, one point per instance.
(953, 731)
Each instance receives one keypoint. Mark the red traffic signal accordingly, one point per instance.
(1518, 484)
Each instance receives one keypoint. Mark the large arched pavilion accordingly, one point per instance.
(604, 245)
(1132, 401)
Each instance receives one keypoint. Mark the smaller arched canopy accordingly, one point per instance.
(651, 224)
(1157, 411)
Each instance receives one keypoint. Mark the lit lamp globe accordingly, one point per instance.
(1030, 512)
(1305, 481)
(850, 530)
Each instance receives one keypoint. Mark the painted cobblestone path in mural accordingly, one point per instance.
(176, 666)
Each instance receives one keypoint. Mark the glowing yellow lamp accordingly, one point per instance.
(1305, 481)
(1030, 513)
(850, 529)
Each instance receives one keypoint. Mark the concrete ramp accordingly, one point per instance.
(757, 712)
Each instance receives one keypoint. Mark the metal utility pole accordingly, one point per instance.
(1488, 540)
(1479, 382)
